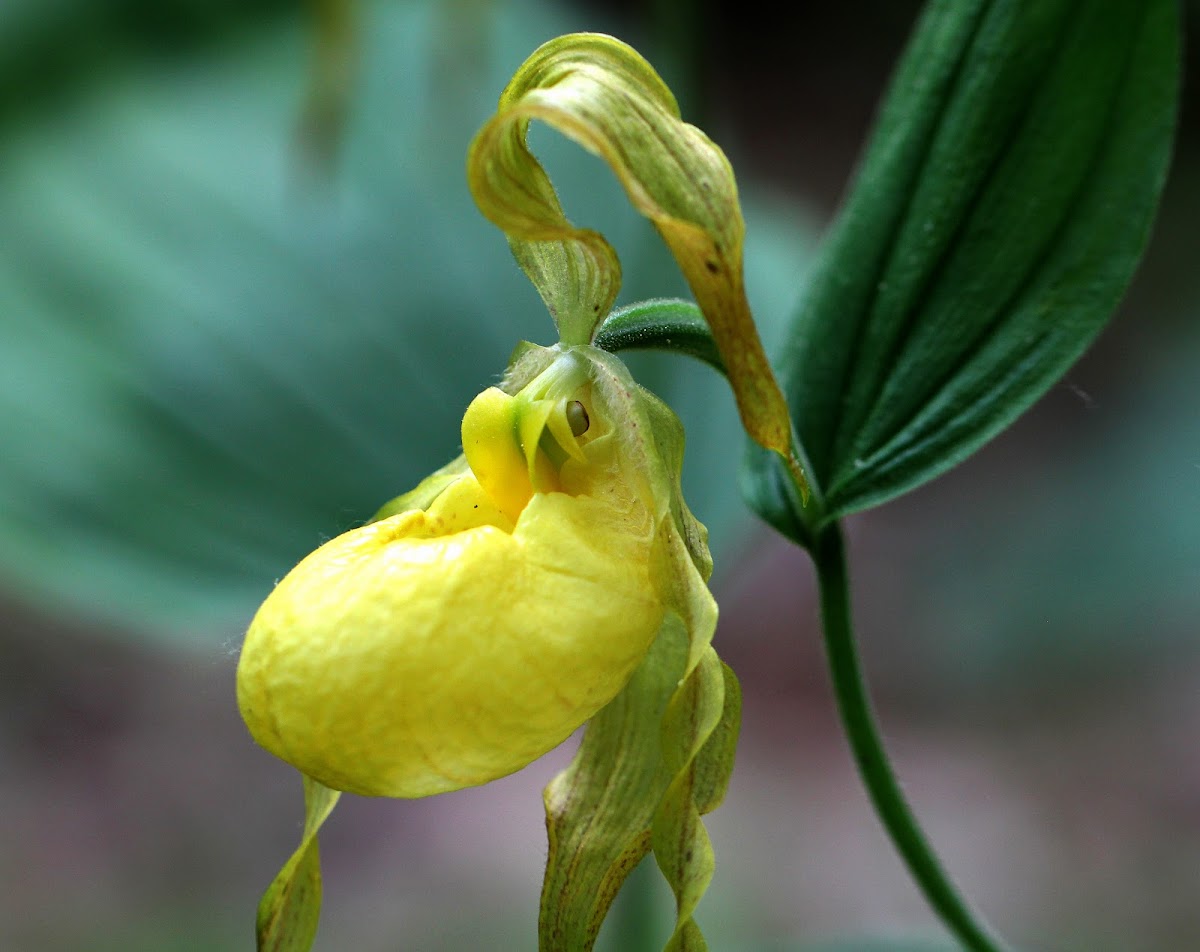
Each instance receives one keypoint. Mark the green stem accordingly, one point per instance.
(858, 719)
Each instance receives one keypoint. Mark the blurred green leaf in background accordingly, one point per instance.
(214, 360)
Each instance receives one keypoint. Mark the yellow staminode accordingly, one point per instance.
(445, 647)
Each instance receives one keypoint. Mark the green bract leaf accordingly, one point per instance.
(289, 909)
(604, 96)
(996, 220)
(661, 324)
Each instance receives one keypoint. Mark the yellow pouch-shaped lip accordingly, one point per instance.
(440, 649)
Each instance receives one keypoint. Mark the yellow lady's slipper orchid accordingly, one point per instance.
(448, 645)
(551, 575)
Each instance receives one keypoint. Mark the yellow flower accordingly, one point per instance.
(508, 600)
(553, 574)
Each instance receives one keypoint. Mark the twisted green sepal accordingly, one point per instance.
(700, 725)
(681, 845)
(289, 909)
(600, 812)
(661, 753)
(600, 93)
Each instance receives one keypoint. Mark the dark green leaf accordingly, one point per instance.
(996, 220)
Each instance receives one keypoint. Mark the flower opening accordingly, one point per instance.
(448, 645)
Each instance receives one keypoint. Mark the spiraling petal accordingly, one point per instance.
(602, 94)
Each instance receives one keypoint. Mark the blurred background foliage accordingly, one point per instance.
(220, 351)
(220, 346)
